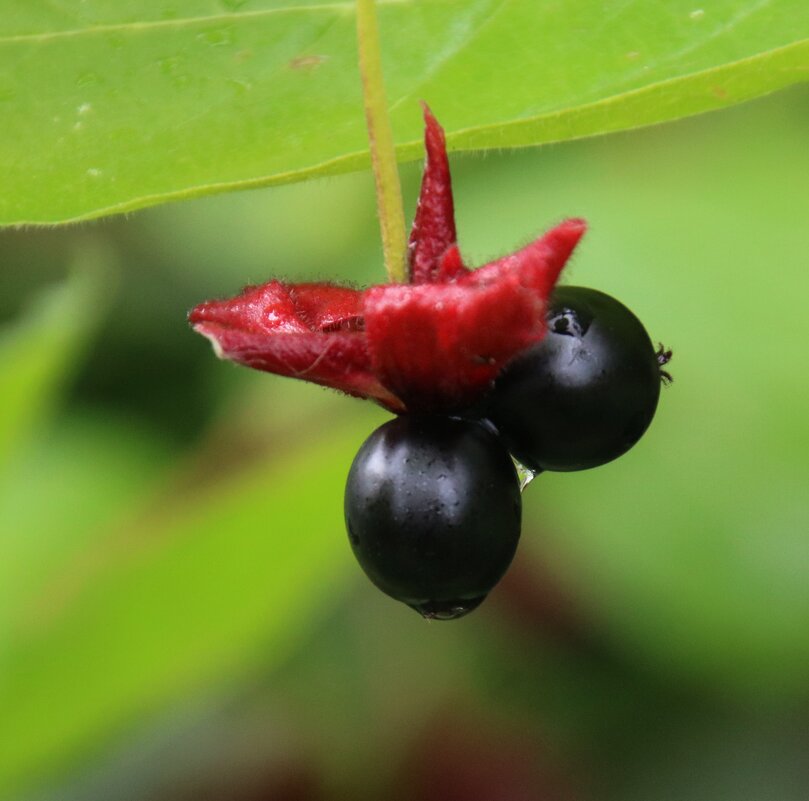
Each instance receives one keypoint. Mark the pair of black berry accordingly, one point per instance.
(433, 504)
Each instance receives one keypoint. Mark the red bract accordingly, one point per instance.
(433, 345)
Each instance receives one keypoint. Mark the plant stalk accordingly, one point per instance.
(380, 139)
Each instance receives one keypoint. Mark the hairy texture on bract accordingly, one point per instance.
(439, 347)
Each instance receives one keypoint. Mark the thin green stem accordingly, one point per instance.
(380, 138)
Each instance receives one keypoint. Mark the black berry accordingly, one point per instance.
(433, 512)
(586, 393)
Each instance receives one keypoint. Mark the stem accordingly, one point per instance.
(380, 139)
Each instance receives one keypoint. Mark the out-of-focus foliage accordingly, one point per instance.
(180, 614)
(109, 107)
(41, 349)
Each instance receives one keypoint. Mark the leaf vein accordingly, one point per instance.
(163, 24)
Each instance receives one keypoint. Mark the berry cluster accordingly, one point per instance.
(433, 504)
(479, 364)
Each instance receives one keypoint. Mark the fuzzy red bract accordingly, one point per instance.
(309, 331)
(433, 345)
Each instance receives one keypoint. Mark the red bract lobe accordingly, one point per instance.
(433, 345)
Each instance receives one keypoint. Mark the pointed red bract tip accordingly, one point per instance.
(434, 225)
(261, 309)
(539, 263)
(564, 237)
(284, 308)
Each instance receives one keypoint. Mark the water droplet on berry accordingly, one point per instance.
(447, 610)
(525, 475)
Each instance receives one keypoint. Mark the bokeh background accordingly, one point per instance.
(180, 613)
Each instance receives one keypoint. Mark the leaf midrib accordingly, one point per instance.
(347, 8)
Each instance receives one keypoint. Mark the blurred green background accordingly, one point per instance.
(180, 613)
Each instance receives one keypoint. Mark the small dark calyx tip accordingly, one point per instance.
(447, 610)
(664, 356)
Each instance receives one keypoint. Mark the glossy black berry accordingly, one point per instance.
(433, 512)
(586, 393)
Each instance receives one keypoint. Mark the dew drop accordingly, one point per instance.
(525, 475)
(87, 79)
(218, 37)
(697, 13)
(93, 172)
(241, 87)
(171, 67)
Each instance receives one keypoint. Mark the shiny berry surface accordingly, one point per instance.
(586, 393)
(433, 512)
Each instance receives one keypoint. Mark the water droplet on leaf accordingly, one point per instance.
(217, 37)
(87, 79)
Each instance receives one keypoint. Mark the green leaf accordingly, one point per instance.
(109, 107)
(173, 601)
(39, 353)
